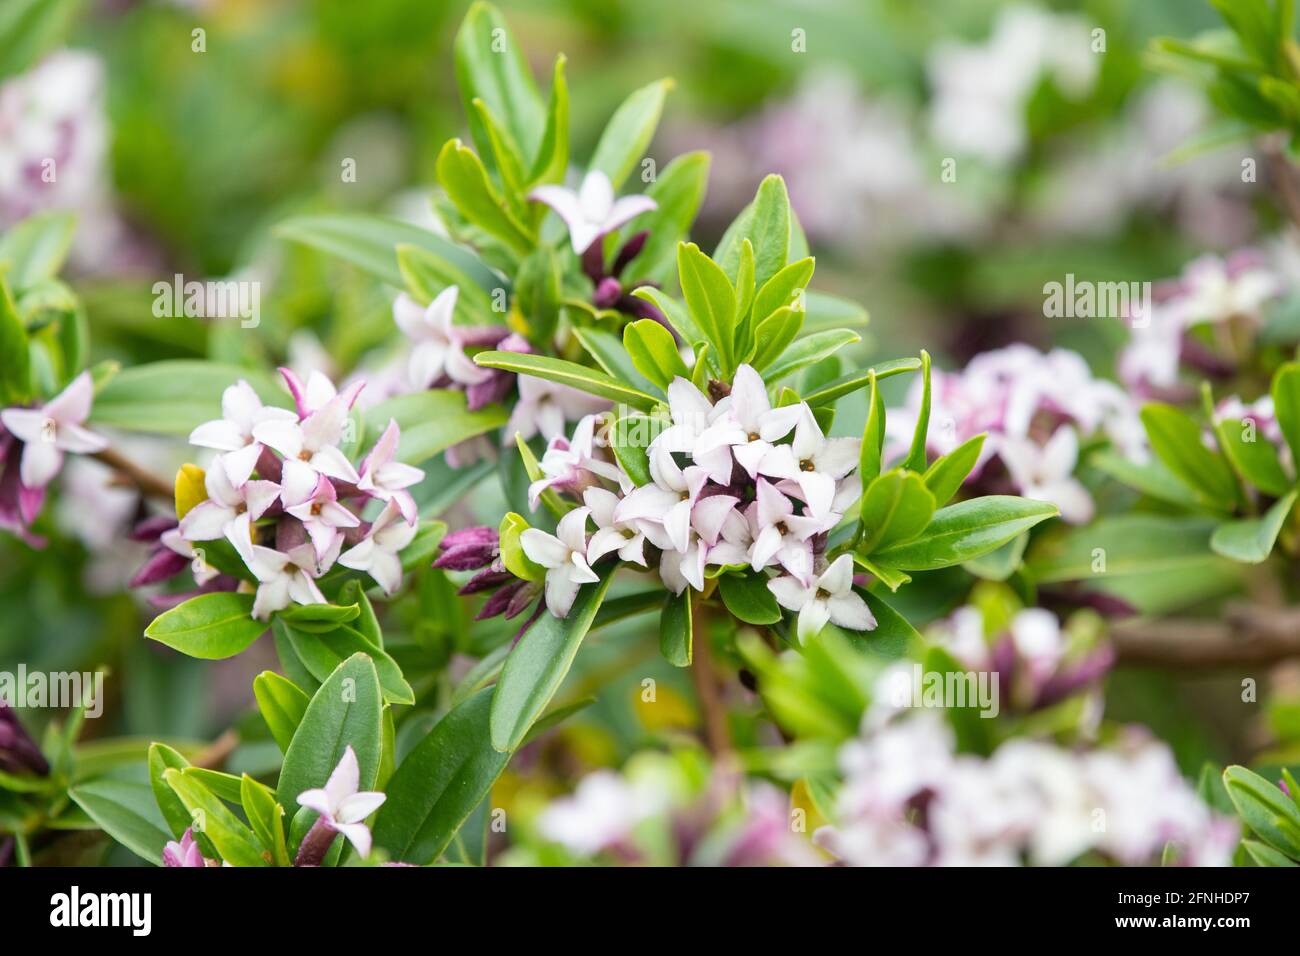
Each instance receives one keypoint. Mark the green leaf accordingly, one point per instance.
(1265, 855)
(174, 397)
(653, 352)
(711, 300)
(502, 153)
(439, 784)
(490, 66)
(211, 626)
(266, 817)
(552, 160)
(1286, 405)
(896, 507)
(678, 190)
(610, 354)
(466, 181)
(1251, 540)
(765, 222)
(1176, 440)
(1151, 478)
(1001, 563)
(629, 131)
(809, 350)
(891, 578)
(512, 553)
(745, 344)
(871, 456)
(34, 249)
(630, 440)
(1126, 544)
(964, 531)
(345, 711)
(1255, 459)
(916, 460)
(282, 704)
(366, 622)
(319, 617)
(748, 597)
(774, 335)
(427, 273)
(786, 288)
(537, 666)
(432, 421)
(947, 472)
(537, 293)
(567, 373)
(371, 242)
(893, 636)
(234, 841)
(321, 652)
(678, 316)
(1265, 810)
(162, 757)
(31, 28)
(675, 630)
(126, 811)
(15, 353)
(833, 391)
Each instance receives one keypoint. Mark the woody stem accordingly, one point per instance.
(717, 736)
(130, 473)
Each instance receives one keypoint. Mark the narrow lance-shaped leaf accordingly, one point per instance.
(628, 134)
(675, 630)
(916, 459)
(964, 531)
(567, 373)
(871, 457)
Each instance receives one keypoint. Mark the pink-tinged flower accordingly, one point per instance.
(19, 505)
(319, 511)
(1214, 290)
(812, 464)
(387, 479)
(735, 542)
(229, 510)
(1046, 472)
(780, 535)
(53, 429)
(564, 555)
(377, 553)
(693, 416)
(748, 424)
(625, 538)
(185, 853)
(684, 568)
(544, 407)
(232, 433)
(663, 507)
(592, 211)
(318, 392)
(283, 579)
(499, 382)
(571, 465)
(439, 344)
(342, 809)
(311, 445)
(829, 598)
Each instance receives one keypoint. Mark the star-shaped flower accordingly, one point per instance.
(284, 579)
(232, 433)
(341, 807)
(780, 535)
(749, 424)
(611, 534)
(378, 554)
(439, 344)
(386, 478)
(829, 598)
(319, 510)
(564, 555)
(230, 509)
(812, 463)
(667, 502)
(311, 445)
(592, 211)
(53, 429)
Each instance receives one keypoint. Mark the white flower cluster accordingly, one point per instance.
(1035, 407)
(310, 491)
(736, 484)
(910, 800)
(1211, 291)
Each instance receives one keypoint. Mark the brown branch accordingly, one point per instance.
(130, 473)
(215, 755)
(717, 735)
(1247, 634)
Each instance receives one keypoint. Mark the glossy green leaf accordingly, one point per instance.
(266, 817)
(1176, 440)
(174, 397)
(964, 531)
(774, 334)
(1264, 809)
(210, 626)
(440, 783)
(871, 455)
(629, 131)
(567, 373)
(947, 472)
(654, 352)
(345, 711)
(552, 160)
(282, 704)
(711, 300)
(678, 191)
(235, 842)
(896, 507)
(809, 350)
(321, 652)
(491, 66)
(845, 385)
(765, 222)
(432, 421)
(15, 357)
(34, 249)
(675, 630)
(916, 459)
(127, 812)
(538, 664)
(462, 174)
(748, 597)
(1253, 455)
